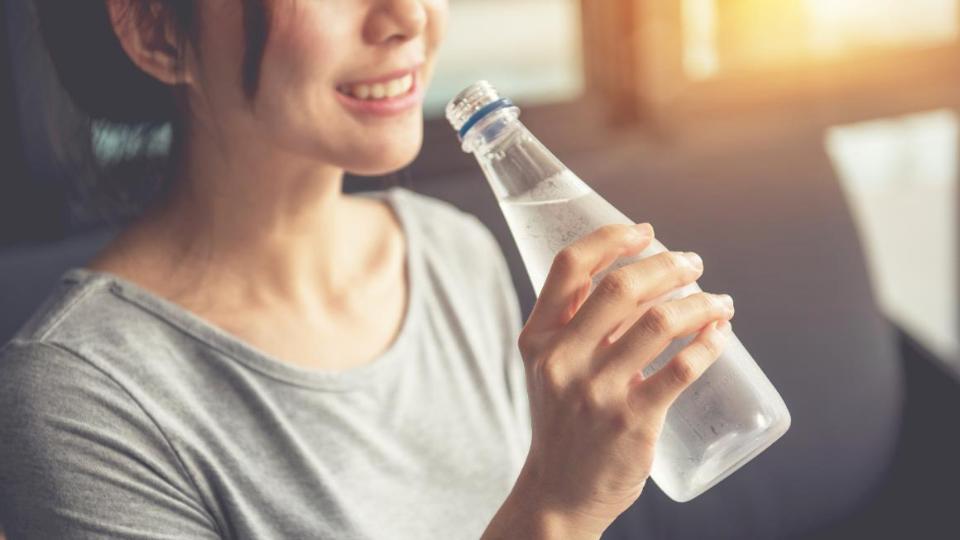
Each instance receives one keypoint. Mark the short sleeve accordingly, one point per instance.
(80, 459)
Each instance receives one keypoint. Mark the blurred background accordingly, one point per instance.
(806, 148)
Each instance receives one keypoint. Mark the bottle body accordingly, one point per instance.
(725, 418)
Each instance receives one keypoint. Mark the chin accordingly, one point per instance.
(385, 159)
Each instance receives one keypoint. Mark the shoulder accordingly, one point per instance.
(42, 381)
(72, 438)
(35, 372)
(91, 328)
(83, 305)
(51, 397)
(52, 359)
(90, 370)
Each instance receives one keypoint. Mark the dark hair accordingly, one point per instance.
(99, 76)
(114, 126)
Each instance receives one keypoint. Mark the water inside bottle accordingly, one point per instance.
(542, 223)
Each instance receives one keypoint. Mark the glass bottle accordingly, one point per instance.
(724, 419)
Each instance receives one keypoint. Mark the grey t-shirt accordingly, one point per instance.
(123, 415)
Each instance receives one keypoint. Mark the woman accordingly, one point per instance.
(259, 355)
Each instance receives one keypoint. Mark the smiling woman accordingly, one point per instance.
(234, 362)
(259, 354)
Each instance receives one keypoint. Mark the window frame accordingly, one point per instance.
(650, 81)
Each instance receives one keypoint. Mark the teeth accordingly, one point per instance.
(389, 89)
(394, 87)
(361, 91)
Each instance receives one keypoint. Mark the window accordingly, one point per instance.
(732, 35)
(899, 175)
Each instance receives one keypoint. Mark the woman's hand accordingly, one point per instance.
(596, 420)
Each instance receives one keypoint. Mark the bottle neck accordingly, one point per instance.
(512, 159)
(491, 130)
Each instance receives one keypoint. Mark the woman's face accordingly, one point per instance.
(341, 81)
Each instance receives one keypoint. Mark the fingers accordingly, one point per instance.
(658, 392)
(622, 292)
(660, 325)
(569, 279)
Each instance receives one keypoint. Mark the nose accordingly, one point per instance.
(395, 21)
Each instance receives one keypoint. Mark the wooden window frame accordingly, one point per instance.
(633, 55)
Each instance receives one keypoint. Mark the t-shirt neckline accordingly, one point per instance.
(265, 364)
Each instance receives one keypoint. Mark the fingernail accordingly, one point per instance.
(727, 302)
(724, 326)
(694, 260)
(641, 232)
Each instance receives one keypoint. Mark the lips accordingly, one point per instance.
(390, 94)
(379, 90)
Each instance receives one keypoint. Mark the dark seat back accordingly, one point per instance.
(28, 273)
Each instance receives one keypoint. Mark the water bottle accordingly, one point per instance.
(720, 422)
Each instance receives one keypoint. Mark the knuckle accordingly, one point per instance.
(673, 263)
(551, 374)
(707, 302)
(708, 349)
(568, 259)
(682, 370)
(615, 231)
(590, 398)
(620, 283)
(713, 346)
(526, 344)
(660, 319)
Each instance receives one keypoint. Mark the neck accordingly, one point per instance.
(250, 214)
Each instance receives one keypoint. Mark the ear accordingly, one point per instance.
(149, 36)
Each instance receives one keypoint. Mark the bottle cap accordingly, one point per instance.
(472, 105)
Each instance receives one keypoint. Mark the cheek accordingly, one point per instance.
(436, 31)
(298, 72)
(300, 48)
(309, 49)
(439, 15)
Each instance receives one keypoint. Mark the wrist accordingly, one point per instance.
(555, 525)
(527, 513)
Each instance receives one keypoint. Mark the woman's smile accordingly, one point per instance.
(394, 93)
